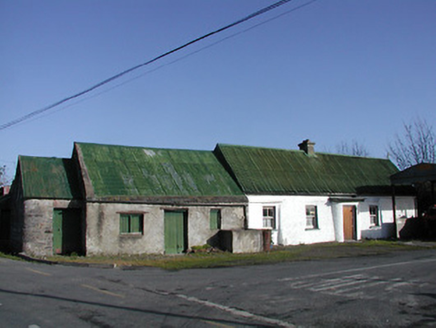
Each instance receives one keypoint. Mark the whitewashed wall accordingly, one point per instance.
(291, 217)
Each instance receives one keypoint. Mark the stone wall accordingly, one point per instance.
(242, 241)
(37, 228)
(103, 227)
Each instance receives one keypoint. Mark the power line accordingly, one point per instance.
(175, 60)
(104, 82)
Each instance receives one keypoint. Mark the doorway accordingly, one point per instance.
(175, 226)
(349, 215)
(67, 231)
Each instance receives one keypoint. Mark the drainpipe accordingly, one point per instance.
(394, 211)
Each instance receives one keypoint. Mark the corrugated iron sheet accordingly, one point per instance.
(53, 178)
(280, 171)
(138, 171)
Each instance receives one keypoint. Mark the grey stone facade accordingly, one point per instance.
(103, 227)
(35, 233)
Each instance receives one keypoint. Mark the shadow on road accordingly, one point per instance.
(124, 308)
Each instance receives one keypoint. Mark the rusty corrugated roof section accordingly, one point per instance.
(138, 172)
(48, 178)
(289, 172)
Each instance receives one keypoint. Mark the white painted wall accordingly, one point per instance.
(291, 217)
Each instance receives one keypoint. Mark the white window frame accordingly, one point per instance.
(311, 217)
(269, 217)
(374, 218)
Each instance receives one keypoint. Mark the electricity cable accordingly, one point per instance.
(112, 78)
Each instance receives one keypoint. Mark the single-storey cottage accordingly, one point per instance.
(145, 200)
(123, 200)
(109, 199)
(308, 197)
(44, 190)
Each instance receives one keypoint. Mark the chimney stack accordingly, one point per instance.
(308, 147)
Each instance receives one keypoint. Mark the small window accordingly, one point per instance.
(269, 217)
(311, 217)
(373, 215)
(131, 223)
(215, 219)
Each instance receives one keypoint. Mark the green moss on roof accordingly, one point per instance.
(52, 178)
(279, 171)
(138, 171)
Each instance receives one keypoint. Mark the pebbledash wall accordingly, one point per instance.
(103, 227)
(290, 216)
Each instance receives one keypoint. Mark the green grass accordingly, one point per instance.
(225, 259)
(10, 256)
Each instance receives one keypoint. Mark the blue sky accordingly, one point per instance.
(332, 71)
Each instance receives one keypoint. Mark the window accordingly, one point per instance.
(373, 215)
(131, 223)
(215, 219)
(269, 217)
(311, 217)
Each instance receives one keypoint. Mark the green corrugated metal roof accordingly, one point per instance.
(138, 171)
(279, 171)
(52, 178)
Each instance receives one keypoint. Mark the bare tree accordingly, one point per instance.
(3, 177)
(354, 149)
(416, 146)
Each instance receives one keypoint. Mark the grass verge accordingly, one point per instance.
(10, 257)
(225, 259)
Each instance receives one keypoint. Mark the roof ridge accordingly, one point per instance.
(42, 157)
(302, 151)
(141, 147)
(354, 156)
(260, 147)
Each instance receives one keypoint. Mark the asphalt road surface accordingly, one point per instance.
(397, 290)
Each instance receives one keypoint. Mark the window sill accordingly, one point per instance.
(132, 235)
(311, 229)
(375, 227)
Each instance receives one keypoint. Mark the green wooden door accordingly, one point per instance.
(67, 231)
(57, 231)
(175, 232)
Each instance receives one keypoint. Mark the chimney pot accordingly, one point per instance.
(308, 147)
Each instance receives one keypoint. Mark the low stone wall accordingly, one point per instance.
(242, 241)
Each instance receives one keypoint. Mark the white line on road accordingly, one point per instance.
(39, 272)
(233, 311)
(357, 269)
(103, 291)
(365, 285)
(217, 324)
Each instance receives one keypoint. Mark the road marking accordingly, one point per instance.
(103, 291)
(217, 324)
(396, 285)
(366, 285)
(349, 286)
(345, 281)
(39, 272)
(356, 269)
(233, 311)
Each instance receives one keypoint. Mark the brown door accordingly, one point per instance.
(349, 214)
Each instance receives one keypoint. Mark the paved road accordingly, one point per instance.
(397, 290)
